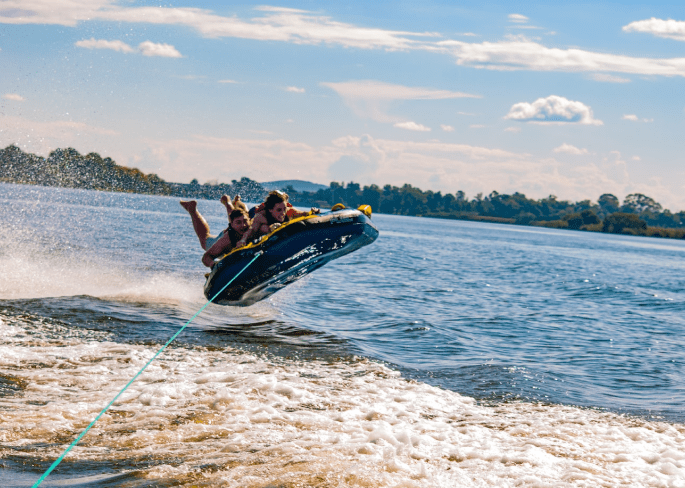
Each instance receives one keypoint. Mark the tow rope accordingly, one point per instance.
(59, 459)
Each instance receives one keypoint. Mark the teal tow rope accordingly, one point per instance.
(59, 459)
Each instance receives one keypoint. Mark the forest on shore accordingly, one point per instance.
(638, 214)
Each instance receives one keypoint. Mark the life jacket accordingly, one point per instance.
(233, 235)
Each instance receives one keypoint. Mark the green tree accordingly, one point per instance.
(620, 222)
(608, 203)
(639, 203)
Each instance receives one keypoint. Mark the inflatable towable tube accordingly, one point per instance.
(290, 252)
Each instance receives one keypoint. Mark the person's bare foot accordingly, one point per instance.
(226, 200)
(190, 205)
(238, 203)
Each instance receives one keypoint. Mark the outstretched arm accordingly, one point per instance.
(258, 221)
(221, 246)
(292, 213)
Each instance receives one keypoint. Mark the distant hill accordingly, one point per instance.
(298, 185)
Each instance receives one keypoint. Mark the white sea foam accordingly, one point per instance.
(234, 419)
(38, 275)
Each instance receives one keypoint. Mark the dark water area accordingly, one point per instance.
(501, 314)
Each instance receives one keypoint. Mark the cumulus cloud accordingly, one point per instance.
(512, 129)
(295, 89)
(409, 125)
(15, 97)
(670, 29)
(447, 128)
(569, 149)
(607, 78)
(551, 110)
(147, 48)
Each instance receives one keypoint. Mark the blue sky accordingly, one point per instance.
(573, 100)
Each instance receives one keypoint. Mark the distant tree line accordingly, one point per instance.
(637, 215)
(69, 169)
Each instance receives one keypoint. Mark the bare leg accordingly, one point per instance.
(226, 200)
(200, 225)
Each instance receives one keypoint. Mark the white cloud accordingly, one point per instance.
(295, 89)
(569, 149)
(378, 90)
(274, 24)
(553, 110)
(372, 99)
(115, 45)
(512, 129)
(301, 27)
(447, 128)
(635, 118)
(607, 78)
(15, 97)
(149, 48)
(529, 55)
(636, 158)
(670, 29)
(229, 81)
(476, 126)
(409, 125)
(518, 18)
(267, 8)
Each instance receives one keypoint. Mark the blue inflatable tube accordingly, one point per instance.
(290, 252)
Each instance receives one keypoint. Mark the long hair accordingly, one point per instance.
(274, 198)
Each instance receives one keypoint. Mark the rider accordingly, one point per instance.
(200, 224)
(271, 214)
(239, 224)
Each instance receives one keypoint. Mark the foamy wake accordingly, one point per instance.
(39, 275)
(227, 418)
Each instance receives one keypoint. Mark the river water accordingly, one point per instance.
(445, 354)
